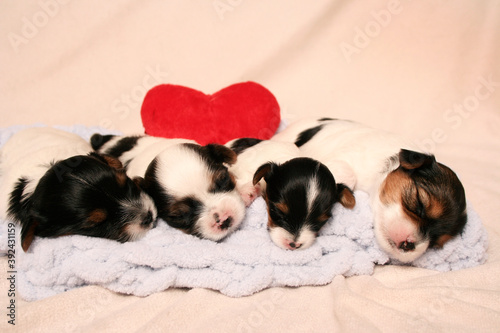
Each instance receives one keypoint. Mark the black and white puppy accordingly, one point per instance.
(52, 184)
(417, 202)
(190, 184)
(300, 195)
(299, 192)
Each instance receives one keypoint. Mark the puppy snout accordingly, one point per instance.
(294, 245)
(224, 222)
(406, 246)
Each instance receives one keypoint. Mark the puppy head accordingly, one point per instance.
(420, 204)
(300, 195)
(86, 195)
(194, 191)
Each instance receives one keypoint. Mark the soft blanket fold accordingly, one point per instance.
(244, 263)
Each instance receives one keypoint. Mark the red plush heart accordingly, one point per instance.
(241, 110)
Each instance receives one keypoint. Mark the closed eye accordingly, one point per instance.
(278, 216)
(222, 181)
(415, 204)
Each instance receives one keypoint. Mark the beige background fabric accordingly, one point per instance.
(429, 70)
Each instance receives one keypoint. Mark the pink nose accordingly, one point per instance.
(402, 239)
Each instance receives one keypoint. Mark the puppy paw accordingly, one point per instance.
(250, 192)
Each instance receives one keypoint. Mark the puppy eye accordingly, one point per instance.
(278, 215)
(415, 205)
(222, 182)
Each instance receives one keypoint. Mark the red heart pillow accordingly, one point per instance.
(241, 110)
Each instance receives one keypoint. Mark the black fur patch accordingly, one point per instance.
(19, 202)
(97, 140)
(151, 186)
(183, 214)
(123, 145)
(240, 145)
(307, 135)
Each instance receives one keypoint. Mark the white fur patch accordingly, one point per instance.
(392, 226)
(145, 151)
(312, 193)
(283, 238)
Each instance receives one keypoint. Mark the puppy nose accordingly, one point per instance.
(294, 245)
(224, 223)
(148, 219)
(406, 246)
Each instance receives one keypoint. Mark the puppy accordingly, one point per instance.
(52, 186)
(417, 202)
(252, 153)
(300, 195)
(190, 184)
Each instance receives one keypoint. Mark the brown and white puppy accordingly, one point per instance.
(52, 184)
(190, 184)
(299, 192)
(417, 202)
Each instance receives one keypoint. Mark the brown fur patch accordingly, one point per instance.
(397, 186)
(121, 178)
(262, 171)
(323, 218)
(113, 162)
(283, 207)
(28, 238)
(435, 209)
(347, 198)
(270, 223)
(97, 216)
(393, 186)
(442, 240)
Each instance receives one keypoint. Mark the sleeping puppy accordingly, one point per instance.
(52, 185)
(417, 202)
(190, 184)
(299, 192)
(300, 195)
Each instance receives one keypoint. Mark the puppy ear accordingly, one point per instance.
(139, 181)
(346, 196)
(411, 160)
(265, 171)
(28, 233)
(112, 162)
(221, 154)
